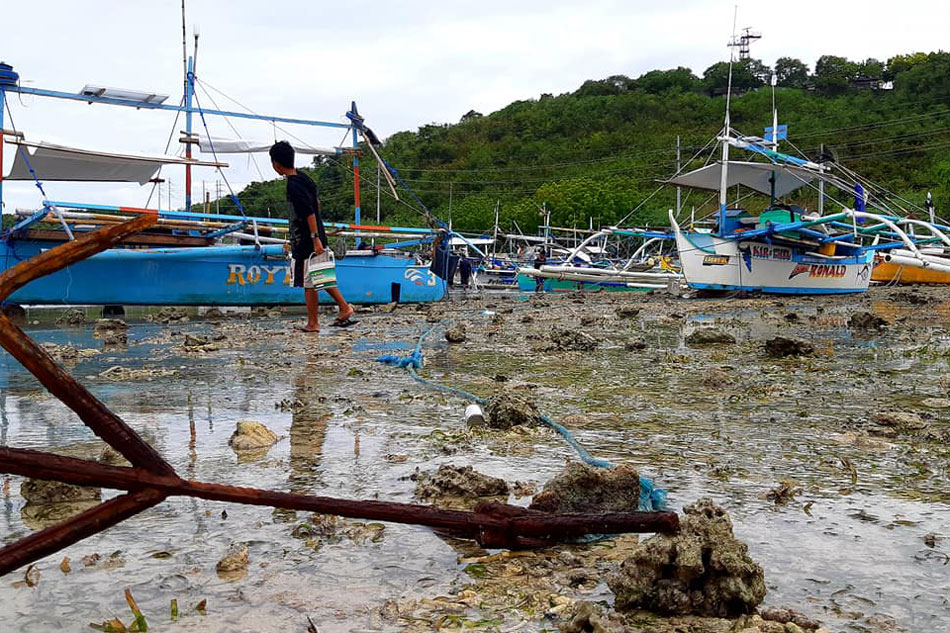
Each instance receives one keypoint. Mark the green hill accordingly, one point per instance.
(597, 153)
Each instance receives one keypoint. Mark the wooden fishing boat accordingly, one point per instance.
(190, 258)
(786, 249)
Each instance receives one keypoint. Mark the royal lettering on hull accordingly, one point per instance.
(242, 274)
(819, 271)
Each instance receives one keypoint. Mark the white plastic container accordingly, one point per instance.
(474, 416)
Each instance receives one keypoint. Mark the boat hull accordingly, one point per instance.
(889, 272)
(528, 283)
(213, 275)
(713, 263)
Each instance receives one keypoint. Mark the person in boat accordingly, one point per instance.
(307, 236)
(540, 260)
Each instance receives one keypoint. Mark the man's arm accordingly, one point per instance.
(317, 244)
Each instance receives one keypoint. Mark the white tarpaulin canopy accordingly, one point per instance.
(56, 162)
(755, 176)
(242, 146)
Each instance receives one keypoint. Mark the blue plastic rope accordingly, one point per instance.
(23, 152)
(651, 497)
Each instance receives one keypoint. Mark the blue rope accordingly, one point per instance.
(24, 153)
(651, 497)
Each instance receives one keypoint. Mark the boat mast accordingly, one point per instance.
(724, 176)
(356, 176)
(189, 91)
(189, 67)
(494, 242)
(774, 80)
(7, 77)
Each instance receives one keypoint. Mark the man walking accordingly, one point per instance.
(307, 236)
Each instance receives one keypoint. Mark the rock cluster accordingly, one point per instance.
(458, 481)
(702, 570)
(582, 488)
(508, 408)
(709, 336)
(627, 312)
(455, 334)
(780, 347)
(251, 436)
(73, 317)
(867, 322)
(171, 314)
(568, 340)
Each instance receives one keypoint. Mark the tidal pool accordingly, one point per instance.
(859, 540)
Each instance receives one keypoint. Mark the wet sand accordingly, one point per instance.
(847, 515)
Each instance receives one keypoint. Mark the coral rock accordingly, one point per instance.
(581, 488)
(702, 570)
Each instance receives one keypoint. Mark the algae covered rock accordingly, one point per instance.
(509, 408)
(568, 340)
(867, 322)
(458, 481)
(635, 344)
(106, 327)
(51, 502)
(234, 564)
(40, 491)
(900, 420)
(171, 314)
(703, 570)
(455, 334)
(72, 317)
(115, 340)
(780, 347)
(627, 312)
(582, 488)
(589, 617)
(251, 436)
(709, 336)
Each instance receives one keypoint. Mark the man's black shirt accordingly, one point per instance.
(302, 200)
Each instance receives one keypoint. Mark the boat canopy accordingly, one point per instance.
(57, 162)
(249, 146)
(755, 176)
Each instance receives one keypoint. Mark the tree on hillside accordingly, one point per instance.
(598, 88)
(791, 72)
(871, 68)
(745, 76)
(833, 74)
(678, 79)
(926, 80)
(902, 63)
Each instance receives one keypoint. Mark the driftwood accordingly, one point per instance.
(151, 479)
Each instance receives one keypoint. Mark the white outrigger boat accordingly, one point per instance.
(786, 249)
(642, 271)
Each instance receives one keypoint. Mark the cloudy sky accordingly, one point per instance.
(406, 63)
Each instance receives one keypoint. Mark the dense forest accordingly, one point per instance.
(595, 154)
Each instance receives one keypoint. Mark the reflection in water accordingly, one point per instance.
(308, 431)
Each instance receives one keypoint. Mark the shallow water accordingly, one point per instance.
(847, 549)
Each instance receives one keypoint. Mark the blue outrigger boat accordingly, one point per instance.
(187, 259)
